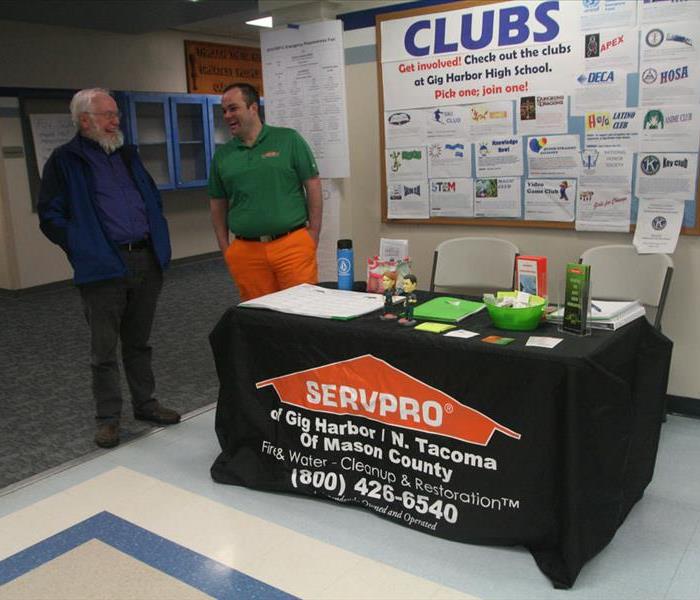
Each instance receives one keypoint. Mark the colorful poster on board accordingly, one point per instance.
(497, 197)
(662, 12)
(404, 128)
(499, 157)
(406, 163)
(451, 198)
(602, 209)
(555, 155)
(606, 168)
(612, 127)
(541, 114)
(669, 82)
(596, 14)
(612, 48)
(451, 158)
(409, 200)
(550, 199)
(666, 175)
(668, 128)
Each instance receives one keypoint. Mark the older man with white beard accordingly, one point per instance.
(98, 203)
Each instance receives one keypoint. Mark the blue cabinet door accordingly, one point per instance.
(219, 130)
(191, 139)
(149, 128)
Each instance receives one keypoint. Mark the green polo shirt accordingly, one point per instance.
(263, 182)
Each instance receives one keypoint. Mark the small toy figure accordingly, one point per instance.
(409, 287)
(562, 190)
(389, 285)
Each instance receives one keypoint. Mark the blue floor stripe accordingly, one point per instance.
(192, 568)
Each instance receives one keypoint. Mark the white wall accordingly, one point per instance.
(59, 57)
(362, 194)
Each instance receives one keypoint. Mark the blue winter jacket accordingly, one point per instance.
(68, 217)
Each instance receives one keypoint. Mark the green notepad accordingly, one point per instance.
(447, 310)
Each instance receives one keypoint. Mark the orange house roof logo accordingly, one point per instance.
(371, 388)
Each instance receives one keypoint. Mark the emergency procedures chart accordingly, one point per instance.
(304, 78)
(548, 111)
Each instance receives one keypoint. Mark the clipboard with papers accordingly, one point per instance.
(607, 314)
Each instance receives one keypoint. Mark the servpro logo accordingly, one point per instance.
(371, 388)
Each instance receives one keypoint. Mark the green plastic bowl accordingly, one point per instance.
(517, 319)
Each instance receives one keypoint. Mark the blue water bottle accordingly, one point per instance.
(346, 276)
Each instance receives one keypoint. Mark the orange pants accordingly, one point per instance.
(260, 268)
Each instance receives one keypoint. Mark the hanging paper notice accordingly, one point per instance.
(669, 128)
(408, 200)
(556, 155)
(598, 89)
(449, 158)
(304, 77)
(659, 12)
(602, 210)
(669, 82)
(404, 128)
(606, 13)
(48, 132)
(613, 127)
(491, 118)
(612, 48)
(452, 198)
(406, 163)
(497, 197)
(606, 168)
(669, 42)
(446, 121)
(658, 226)
(668, 175)
(550, 199)
(498, 157)
(542, 114)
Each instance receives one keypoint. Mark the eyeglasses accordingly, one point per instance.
(109, 114)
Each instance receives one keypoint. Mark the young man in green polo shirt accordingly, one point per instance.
(264, 188)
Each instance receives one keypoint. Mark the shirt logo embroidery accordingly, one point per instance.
(271, 154)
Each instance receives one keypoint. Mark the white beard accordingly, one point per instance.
(109, 142)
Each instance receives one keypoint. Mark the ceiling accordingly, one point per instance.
(211, 17)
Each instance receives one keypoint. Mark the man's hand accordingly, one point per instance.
(314, 232)
(218, 208)
(314, 202)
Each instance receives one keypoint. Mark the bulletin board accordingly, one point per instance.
(548, 113)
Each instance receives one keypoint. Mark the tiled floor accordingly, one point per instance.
(146, 521)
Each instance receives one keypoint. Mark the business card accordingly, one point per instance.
(497, 339)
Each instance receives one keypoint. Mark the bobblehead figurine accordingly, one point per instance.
(409, 287)
(389, 285)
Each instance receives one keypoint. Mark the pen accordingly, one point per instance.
(594, 306)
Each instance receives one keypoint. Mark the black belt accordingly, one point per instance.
(269, 238)
(132, 246)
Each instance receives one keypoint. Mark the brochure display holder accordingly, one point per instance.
(577, 300)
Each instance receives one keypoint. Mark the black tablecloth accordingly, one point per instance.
(469, 441)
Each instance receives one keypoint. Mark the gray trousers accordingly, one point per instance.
(123, 310)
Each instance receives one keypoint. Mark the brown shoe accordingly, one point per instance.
(159, 415)
(107, 436)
